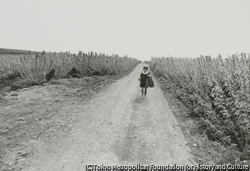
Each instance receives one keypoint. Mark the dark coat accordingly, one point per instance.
(143, 78)
(149, 82)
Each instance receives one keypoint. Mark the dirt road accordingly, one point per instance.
(118, 126)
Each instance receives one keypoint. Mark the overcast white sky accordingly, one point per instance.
(138, 28)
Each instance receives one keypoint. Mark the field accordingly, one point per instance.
(15, 51)
(217, 91)
(23, 70)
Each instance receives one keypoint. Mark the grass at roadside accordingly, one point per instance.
(20, 71)
(204, 150)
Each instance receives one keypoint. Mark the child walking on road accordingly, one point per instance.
(142, 79)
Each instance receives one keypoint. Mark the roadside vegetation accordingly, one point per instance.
(217, 93)
(18, 71)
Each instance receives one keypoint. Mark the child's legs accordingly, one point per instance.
(145, 91)
(142, 90)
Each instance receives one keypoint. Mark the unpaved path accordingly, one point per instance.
(116, 127)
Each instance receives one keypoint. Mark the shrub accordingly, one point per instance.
(217, 91)
(32, 68)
